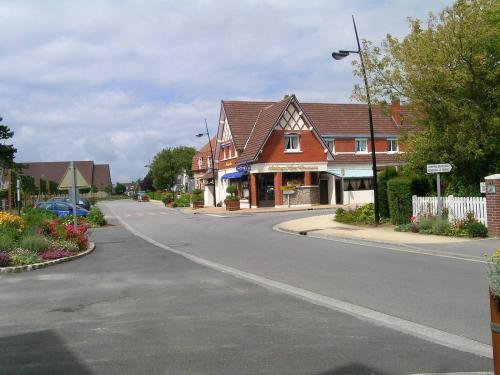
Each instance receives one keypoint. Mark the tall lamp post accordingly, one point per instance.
(339, 56)
(211, 155)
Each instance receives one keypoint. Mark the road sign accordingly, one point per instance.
(438, 168)
(67, 180)
(287, 192)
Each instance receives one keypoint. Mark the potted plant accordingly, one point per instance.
(168, 200)
(232, 201)
(494, 281)
(197, 199)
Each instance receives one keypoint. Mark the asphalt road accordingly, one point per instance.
(442, 293)
(134, 308)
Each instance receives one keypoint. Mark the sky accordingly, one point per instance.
(117, 81)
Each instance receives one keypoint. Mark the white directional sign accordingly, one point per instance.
(438, 168)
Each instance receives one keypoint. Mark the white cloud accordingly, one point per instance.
(118, 81)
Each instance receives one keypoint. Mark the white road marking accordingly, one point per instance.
(128, 215)
(380, 245)
(139, 214)
(216, 215)
(152, 213)
(458, 373)
(405, 326)
(164, 213)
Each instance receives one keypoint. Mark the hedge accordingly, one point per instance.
(382, 179)
(399, 195)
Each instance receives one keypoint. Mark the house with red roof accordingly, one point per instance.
(301, 154)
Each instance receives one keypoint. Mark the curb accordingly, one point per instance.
(37, 266)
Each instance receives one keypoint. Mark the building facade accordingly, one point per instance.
(288, 153)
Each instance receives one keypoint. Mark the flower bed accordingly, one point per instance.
(468, 227)
(39, 236)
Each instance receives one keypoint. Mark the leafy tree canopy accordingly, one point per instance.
(448, 73)
(7, 151)
(120, 188)
(169, 163)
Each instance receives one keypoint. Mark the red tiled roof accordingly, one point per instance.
(267, 118)
(101, 176)
(241, 116)
(203, 153)
(55, 170)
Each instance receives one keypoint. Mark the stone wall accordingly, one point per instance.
(303, 195)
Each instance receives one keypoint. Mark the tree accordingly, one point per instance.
(146, 183)
(120, 188)
(7, 151)
(448, 75)
(169, 163)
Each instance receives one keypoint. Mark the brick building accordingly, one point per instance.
(321, 149)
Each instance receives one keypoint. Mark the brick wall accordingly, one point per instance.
(304, 195)
(493, 205)
(274, 149)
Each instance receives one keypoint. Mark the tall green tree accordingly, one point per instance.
(169, 163)
(7, 151)
(120, 188)
(448, 74)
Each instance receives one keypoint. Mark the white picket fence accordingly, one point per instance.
(458, 207)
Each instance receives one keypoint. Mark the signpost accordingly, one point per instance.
(72, 181)
(437, 169)
(288, 193)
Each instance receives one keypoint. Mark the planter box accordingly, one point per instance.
(197, 205)
(232, 205)
(495, 331)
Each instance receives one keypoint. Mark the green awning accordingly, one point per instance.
(351, 173)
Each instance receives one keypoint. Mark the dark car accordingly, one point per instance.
(82, 202)
(62, 209)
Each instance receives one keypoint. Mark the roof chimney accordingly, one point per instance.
(396, 111)
(286, 96)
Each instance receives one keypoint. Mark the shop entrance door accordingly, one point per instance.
(339, 191)
(265, 188)
(323, 192)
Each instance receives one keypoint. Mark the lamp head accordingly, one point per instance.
(200, 135)
(340, 55)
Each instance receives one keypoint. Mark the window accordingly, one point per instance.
(392, 145)
(200, 163)
(225, 154)
(230, 152)
(209, 162)
(361, 145)
(355, 184)
(330, 144)
(292, 142)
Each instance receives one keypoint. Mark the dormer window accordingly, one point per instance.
(361, 145)
(209, 162)
(330, 144)
(200, 163)
(392, 145)
(292, 143)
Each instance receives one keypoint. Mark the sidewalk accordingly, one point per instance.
(325, 225)
(248, 211)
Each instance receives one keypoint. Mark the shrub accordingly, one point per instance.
(56, 254)
(184, 200)
(7, 242)
(403, 228)
(4, 259)
(95, 217)
(494, 273)
(11, 224)
(36, 217)
(361, 215)
(61, 231)
(382, 178)
(440, 227)
(232, 190)
(477, 229)
(35, 243)
(399, 195)
(21, 257)
(198, 195)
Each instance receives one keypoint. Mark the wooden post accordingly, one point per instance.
(9, 178)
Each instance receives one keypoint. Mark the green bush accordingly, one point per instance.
(477, 229)
(184, 200)
(382, 179)
(361, 215)
(399, 195)
(34, 243)
(426, 224)
(440, 227)
(36, 217)
(403, 228)
(7, 242)
(96, 217)
(198, 195)
(21, 257)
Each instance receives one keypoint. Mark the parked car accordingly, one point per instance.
(142, 197)
(82, 202)
(62, 209)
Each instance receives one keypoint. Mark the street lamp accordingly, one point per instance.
(211, 155)
(339, 56)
